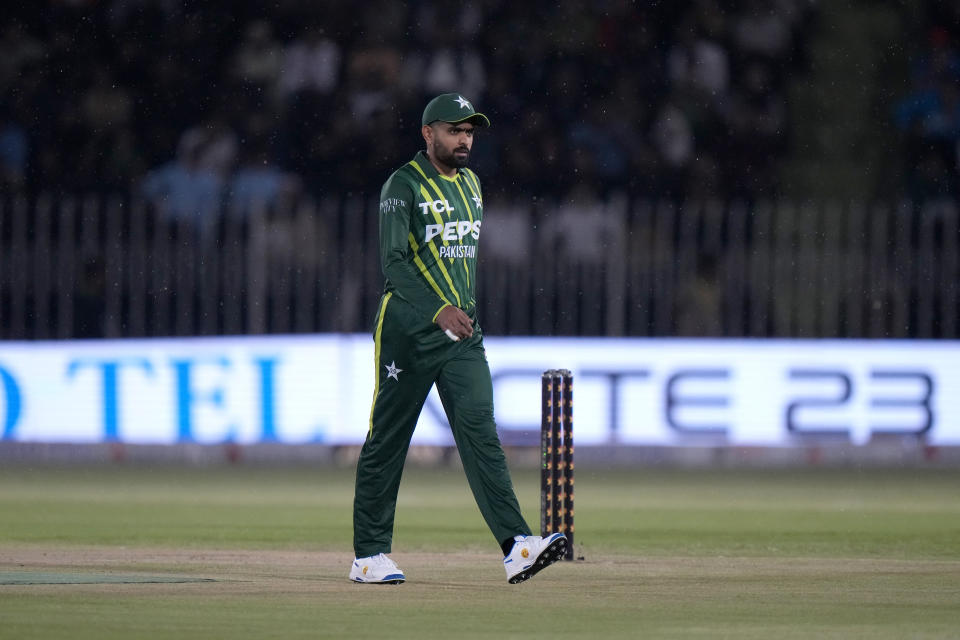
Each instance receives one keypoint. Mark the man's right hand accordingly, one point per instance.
(454, 320)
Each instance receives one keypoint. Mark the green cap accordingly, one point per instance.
(453, 108)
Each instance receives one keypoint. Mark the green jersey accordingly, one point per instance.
(429, 230)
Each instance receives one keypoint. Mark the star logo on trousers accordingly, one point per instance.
(393, 370)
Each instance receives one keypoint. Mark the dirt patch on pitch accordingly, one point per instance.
(232, 570)
(311, 573)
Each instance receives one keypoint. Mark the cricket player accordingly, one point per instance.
(426, 333)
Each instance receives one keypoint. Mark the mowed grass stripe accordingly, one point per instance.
(74, 577)
(669, 554)
(846, 513)
(619, 598)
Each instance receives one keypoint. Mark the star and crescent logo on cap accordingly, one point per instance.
(463, 102)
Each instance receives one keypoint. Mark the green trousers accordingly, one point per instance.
(411, 356)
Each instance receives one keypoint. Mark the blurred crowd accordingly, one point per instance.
(929, 115)
(198, 104)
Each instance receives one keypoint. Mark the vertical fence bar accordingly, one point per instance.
(806, 300)
(544, 258)
(521, 283)
(828, 273)
(687, 255)
(639, 261)
(345, 294)
(185, 268)
(567, 272)
(854, 270)
(136, 262)
(616, 268)
(209, 292)
(42, 257)
(115, 276)
(782, 257)
(305, 271)
(901, 271)
(877, 281)
(19, 267)
(328, 211)
(89, 306)
(66, 266)
(761, 296)
(280, 272)
(664, 269)
(587, 300)
(733, 272)
(256, 266)
(161, 279)
(948, 272)
(496, 296)
(925, 286)
(796, 267)
(5, 270)
(231, 274)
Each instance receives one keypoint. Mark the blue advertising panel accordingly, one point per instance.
(317, 389)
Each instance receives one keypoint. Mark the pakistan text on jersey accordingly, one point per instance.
(458, 251)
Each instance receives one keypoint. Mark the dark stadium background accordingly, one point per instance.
(789, 167)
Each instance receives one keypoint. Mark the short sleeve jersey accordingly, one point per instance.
(429, 230)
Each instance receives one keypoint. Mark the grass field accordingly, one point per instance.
(667, 554)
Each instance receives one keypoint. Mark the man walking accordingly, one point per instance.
(431, 211)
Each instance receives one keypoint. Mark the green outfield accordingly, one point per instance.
(240, 552)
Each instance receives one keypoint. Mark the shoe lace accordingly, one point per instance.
(382, 560)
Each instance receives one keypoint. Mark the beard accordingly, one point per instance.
(451, 158)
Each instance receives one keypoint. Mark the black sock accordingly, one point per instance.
(507, 546)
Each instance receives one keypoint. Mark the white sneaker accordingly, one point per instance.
(530, 554)
(378, 569)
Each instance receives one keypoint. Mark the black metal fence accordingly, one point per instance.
(112, 266)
